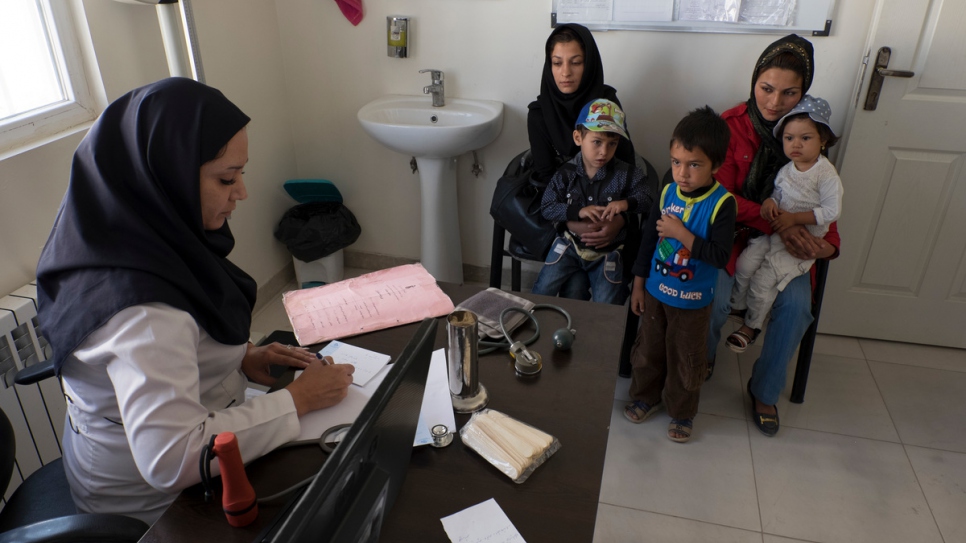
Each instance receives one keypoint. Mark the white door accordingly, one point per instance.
(902, 272)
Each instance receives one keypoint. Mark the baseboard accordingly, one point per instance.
(275, 286)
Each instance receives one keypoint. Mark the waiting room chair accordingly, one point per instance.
(517, 253)
(41, 508)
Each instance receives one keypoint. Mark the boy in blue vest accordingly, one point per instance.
(687, 239)
(592, 187)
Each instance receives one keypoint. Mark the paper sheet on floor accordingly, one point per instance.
(370, 302)
(483, 523)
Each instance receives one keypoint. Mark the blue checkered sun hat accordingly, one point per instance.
(816, 108)
(602, 115)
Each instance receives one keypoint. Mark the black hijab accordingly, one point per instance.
(129, 230)
(770, 156)
(560, 110)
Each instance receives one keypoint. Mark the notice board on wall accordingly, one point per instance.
(805, 17)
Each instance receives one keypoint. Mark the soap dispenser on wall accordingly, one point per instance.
(397, 34)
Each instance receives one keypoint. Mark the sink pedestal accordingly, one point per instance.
(441, 252)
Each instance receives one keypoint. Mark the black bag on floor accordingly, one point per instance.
(317, 229)
(516, 207)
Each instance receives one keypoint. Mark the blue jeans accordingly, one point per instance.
(791, 314)
(605, 275)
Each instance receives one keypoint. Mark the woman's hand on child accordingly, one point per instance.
(258, 360)
(600, 234)
(800, 243)
(613, 209)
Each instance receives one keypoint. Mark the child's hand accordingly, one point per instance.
(613, 209)
(637, 301)
(670, 226)
(783, 221)
(594, 213)
(769, 209)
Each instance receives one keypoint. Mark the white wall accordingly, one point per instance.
(301, 71)
(493, 49)
(240, 52)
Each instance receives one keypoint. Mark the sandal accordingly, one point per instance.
(710, 370)
(739, 341)
(680, 430)
(638, 411)
(766, 423)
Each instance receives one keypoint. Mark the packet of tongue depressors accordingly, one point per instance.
(514, 448)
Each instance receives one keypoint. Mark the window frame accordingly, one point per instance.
(64, 20)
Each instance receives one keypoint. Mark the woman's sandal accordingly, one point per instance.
(739, 341)
(638, 411)
(680, 430)
(766, 423)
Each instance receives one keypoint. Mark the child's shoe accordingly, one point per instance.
(680, 430)
(638, 411)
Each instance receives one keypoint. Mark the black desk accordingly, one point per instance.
(572, 399)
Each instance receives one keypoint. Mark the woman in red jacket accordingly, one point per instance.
(781, 77)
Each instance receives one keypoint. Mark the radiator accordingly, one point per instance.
(36, 411)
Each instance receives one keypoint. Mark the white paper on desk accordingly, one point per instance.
(483, 523)
(437, 403)
(374, 301)
(367, 363)
(437, 407)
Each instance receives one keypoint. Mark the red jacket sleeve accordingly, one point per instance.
(742, 146)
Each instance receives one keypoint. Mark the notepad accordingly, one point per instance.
(367, 363)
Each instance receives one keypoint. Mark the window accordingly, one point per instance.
(43, 89)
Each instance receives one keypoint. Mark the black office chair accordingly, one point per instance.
(41, 508)
(517, 253)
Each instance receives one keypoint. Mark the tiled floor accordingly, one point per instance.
(877, 453)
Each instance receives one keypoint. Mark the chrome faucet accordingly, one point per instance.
(436, 88)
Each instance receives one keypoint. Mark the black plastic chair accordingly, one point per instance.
(41, 508)
(518, 253)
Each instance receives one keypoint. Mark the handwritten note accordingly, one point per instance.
(367, 363)
(483, 523)
(373, 301)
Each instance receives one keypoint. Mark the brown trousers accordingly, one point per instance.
(670, 357)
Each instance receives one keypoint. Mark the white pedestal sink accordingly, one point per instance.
(435, 136)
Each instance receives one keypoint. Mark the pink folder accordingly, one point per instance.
(373, 301)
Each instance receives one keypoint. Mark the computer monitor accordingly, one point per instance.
(351, 493)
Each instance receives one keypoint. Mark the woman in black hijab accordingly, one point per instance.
(148, 319)
(570, 50)
(781, 77)
(573, 75)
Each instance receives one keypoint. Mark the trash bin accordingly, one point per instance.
(316, 231)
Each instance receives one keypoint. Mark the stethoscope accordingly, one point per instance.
(528, 362)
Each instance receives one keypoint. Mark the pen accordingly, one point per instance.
(322, 358)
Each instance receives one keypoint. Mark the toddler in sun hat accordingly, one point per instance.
(807, 192)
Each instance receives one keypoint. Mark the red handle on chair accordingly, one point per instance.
(238, 496)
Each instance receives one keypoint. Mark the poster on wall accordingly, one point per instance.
(813, 17)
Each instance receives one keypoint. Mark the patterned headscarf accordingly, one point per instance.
(770, 157)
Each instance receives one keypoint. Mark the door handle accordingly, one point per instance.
(878, 76)
(894, 73)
